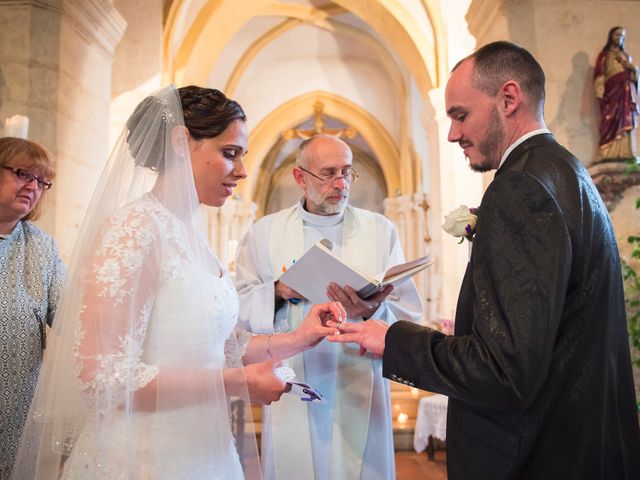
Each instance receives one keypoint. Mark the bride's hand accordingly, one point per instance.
(264, 387)
(321, 321)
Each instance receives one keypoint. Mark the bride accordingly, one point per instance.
(146, 355)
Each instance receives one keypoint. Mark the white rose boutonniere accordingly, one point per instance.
(461, 222)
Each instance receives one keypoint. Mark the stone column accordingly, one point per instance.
(55, 67)
(451, 184)
(409, 214)
(227, 225)
(137, 64)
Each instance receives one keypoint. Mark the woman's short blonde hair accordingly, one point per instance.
(20, 153)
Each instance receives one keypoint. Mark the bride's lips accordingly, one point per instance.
(229, 187)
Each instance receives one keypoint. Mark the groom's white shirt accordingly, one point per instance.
(263, 245)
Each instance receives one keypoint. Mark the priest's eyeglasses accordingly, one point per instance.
(27, 177)
(349, 174)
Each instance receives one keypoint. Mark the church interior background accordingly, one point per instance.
(372, 71)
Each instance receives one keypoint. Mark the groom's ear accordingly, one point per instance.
(510, 97)
(180, 139)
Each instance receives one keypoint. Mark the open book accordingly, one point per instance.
(311, 274)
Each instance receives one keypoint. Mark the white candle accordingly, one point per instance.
(16, 126)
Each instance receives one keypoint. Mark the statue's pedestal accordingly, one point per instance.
(613, 178)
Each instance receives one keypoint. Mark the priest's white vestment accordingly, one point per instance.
(350, 436)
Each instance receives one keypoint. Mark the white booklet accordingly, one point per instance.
(311, 274)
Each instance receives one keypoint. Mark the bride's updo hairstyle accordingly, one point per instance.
(207, 112)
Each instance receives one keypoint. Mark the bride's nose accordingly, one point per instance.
(239, 170)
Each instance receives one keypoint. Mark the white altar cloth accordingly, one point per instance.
(431, 421)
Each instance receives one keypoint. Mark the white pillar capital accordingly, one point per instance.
(96, 20)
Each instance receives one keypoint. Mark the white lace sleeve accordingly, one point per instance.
(236, 346)
(119, 291)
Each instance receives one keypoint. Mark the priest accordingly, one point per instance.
(349, 435)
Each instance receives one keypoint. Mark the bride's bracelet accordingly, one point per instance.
(266, 346)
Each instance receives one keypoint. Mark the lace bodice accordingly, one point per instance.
(146, 301)
(153, 301)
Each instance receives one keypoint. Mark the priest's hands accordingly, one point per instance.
(321, 321)
(353, 304)
(369, 335)
(285, 293)
(263, 385)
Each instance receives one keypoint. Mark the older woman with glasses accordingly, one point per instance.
(31, 275)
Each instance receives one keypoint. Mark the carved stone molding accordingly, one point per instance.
(612, 179)
(482, 16)
(97, 21)
(45, 4)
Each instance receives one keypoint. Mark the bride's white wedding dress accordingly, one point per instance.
(190, 441)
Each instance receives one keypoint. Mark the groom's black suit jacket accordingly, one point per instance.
(538, 372)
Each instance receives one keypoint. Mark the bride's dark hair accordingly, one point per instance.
(207, 113)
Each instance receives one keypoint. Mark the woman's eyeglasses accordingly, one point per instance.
(28, 177)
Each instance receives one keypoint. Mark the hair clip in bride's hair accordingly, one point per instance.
(167, 115)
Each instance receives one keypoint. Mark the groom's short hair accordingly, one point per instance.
(498, 62)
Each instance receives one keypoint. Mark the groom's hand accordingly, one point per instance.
(370, 335)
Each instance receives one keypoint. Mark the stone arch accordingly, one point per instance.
(295, 111)
(218, 21)
(390, 67)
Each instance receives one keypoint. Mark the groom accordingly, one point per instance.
(538, 372)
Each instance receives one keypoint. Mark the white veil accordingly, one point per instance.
(133, 381)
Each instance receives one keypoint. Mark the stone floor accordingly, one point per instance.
(411, 465)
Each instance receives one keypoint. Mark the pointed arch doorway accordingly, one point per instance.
(272, 156)
(281, 191)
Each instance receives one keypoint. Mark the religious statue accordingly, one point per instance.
(616, 85)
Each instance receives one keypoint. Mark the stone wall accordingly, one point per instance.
(565, 37)
(55, 67)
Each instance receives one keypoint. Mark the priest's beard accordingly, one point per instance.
(323, 206)
(489, 146)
